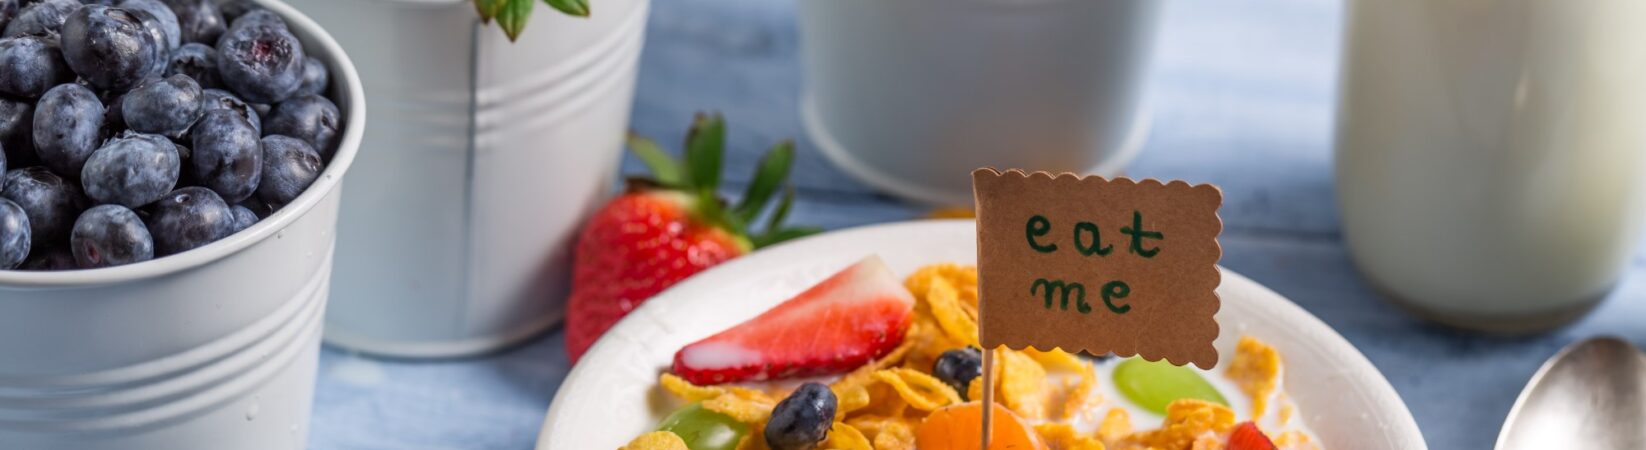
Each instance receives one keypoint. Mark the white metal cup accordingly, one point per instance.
(1491, 156)
(213, 348)
(483, 157)
(911, 95)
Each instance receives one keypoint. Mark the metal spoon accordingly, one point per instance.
(1591, 395)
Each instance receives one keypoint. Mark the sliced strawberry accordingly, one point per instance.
(1246, 436)
(853, 317)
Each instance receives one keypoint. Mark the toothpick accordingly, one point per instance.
(988, 396)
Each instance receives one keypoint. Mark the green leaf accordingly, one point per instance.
(768, 178)
(488, 9)
(512, 16)
(575, 8)
(784, 234)
(663, 167)
(705, 146)
(782, 211)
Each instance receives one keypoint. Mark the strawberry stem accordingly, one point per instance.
(574, 8)
(665, 170)
(768, 178)
(512, 16)
(705, 148)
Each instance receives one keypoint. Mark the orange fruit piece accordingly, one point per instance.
(960, 427)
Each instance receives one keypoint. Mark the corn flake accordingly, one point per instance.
(1187, 420)
(850, 399)
(1022, 384)
(962, 278)
(894, 435)
(743, 405)
(944, 302)
(1116, 425)
(1082, 395)
(1256, 369)
(687, 391)
(656, 440)
(1062, 436)
(846, 437)
(921, 391)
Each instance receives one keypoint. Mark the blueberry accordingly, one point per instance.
(257, 16)
(51, 202)
(55, 257)
(188, 218)
(233, 9)
(259, 208)
(166, 107)
(801, 421)
(243, 217)
(108, 236)
(199, 20)
(289, 167)
(218, 99)
(159, 17)
(68, 125)
(958, 367)
(227, 156)
(31, 65)
(110, 48)
(315, 77)
(17, 131)
(311, 118)
(41, 19)
(196, 60)
(260, 60)
(133, 170)
(14, 234)
(114, 120)
(8, 11)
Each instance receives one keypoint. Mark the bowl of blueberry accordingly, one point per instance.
(168, 205)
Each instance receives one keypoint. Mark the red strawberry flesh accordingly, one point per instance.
(1246, 436)
(850, 319)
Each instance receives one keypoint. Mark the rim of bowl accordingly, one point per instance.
(351, 101)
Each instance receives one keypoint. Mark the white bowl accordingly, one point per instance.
(612, 395)
(214, 347)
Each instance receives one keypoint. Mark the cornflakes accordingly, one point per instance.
(743, 405)
(1117, 424)
(944, 302)
(656, 440)
(921, 391)
(1256, 369)
(846, 437)
(1186, 421)
(687, 391)
(1082, 394)
(1062, 436)
(1022, 385)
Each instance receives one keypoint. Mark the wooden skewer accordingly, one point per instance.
(988, 396)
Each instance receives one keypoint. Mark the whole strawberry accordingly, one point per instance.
(669, 227)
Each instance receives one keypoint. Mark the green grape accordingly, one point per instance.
(1153, 385)
(703, 429)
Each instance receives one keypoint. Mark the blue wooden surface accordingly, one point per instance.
(1243, 97)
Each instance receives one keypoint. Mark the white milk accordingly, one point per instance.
(1490, 154)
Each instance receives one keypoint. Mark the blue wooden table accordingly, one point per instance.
(1243, 95)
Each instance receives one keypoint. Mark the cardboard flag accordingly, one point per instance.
(1097, 265)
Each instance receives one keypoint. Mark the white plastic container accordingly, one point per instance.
(482, 159)
(910, 96)
(214, 348)
(1491, 156)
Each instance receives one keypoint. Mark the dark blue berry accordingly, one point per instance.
(68, 126)
(51, 202)
(110, 48)
(801, 421)
(227, 156)
(41, 18)
(218, 99)
(133, 170)
(259, 208)
(243, 217)
(233, 9)
(311, 118)
(49, 258)
(199, 20)
(196, 60)
(316, 78)
(159, 17)
(14, 235)
(188, 218)
(8, 11)
(259, 60)
(256, 16)
(30, 65)
(17, 131)
(164, 106)
(958, 367)
(289, 167)
(110, 235)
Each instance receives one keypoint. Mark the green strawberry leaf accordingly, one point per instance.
(705, 147)
(782, 212)
(575, 8)
(488, 9)
(665, 170)
(768, 177)
(784, 234)
(512, 16)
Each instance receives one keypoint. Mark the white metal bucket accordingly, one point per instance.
(211, 348)
(911, 95)
(483, 157)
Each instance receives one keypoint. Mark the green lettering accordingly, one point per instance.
(1077, 289)
(1038, 226)
(1138, 234)
(1113, 290)
(1097, 246)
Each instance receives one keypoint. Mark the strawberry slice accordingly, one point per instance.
(855, 316)
(1246, 436)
